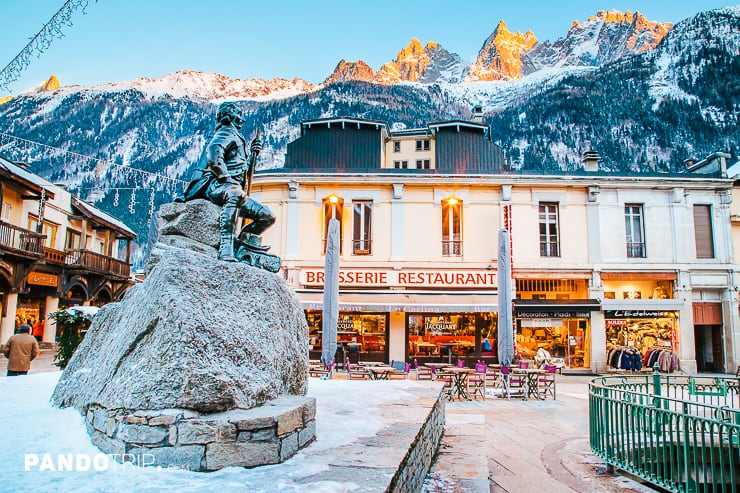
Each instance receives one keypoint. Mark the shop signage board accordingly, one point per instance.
(637, 314)
(42, 279)
(552, 314)
(409, 308)
(405, 278)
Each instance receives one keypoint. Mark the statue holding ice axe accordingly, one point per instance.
(225, 181)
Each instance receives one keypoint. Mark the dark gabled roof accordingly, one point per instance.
(343, 122)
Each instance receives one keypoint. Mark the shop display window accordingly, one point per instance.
(361, 337)
(564, 339)
(443, 336)
(643, 333)
(639, 290)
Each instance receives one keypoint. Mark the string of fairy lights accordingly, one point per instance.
(22, 149)
(40, 42)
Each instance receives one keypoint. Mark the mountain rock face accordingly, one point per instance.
(347, 71)
(500, 56)
(50, 84)
(602, 39)
(430, 63)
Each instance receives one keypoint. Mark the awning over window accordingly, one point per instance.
(405, 302)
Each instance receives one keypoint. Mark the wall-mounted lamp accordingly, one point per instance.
(333, 199)
(453, 200)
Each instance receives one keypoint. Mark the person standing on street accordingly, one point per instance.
(20, 350)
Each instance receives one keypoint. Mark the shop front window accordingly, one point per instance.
(360, 337)
(638, 289)
(566, 339)
(646, 333)
(444, 338)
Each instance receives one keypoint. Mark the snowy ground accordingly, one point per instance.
(32, 428)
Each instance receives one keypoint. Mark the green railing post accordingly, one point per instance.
(657, 392)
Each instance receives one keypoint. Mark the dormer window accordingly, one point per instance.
(422, 145)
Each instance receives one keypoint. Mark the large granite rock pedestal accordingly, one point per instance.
(172, 369)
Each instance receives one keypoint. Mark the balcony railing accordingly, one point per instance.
(451, 248)
(96, 262)
(54, 256)
(635, 250)
(361, 247)
(21, 240)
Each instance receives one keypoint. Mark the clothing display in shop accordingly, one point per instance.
(667, 360)
(625, 358)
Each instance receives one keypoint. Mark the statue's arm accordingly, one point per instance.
(215, 152)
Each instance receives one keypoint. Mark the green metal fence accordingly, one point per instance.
(680, 433)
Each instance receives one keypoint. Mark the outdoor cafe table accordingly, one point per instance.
(532, 375)
(380, 372)
(459, 381)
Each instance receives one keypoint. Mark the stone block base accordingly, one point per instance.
(268, 434)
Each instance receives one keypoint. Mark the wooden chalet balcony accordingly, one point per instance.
(21, 241)
(54, 256)
(96, 262)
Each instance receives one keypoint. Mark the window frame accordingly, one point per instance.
(396, 146)
(326, 206)
(401, 164)
(704, 231)
(52, 228)
(452, 225)
(549, 247)
(422, 145)
(634, 224)
(362, 227)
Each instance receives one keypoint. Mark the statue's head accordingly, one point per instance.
(229, 113)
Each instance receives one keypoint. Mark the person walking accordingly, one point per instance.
(20, 350)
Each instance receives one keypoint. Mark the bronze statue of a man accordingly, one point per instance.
(223, 180)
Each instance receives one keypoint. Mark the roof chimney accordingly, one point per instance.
(590, 161)
(478, 113)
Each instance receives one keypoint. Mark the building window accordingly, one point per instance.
(333, 208)
(452, 227)
(549, 238)
(703, 234)
(423, 164)
(5, 214)
(397, 146)
(73, 241)
(422, 145)
(401, 164)
(635, 231)
(48, 229)
(362, 227)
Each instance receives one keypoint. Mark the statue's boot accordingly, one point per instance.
(226, 223)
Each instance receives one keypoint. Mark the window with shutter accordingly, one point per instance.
(703, 234)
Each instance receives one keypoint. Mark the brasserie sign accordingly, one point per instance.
(406, 278)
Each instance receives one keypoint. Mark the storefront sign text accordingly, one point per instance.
(637, 314)
(417, 278)
(440, 327)
(553, 314)
(41, 279)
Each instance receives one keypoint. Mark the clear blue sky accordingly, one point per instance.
(125, 39)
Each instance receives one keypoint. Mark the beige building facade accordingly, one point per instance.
(604, 266)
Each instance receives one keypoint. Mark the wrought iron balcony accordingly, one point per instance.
(21, 241)
(96, 262)
(451, 248)
(636, 250)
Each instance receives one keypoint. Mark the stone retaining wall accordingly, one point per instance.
(423, 450)
(268, 434)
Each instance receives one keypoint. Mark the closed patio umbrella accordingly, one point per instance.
(330, 312)
(505, 325)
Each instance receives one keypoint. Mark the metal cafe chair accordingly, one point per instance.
(513, 384)
(477, 381)
(355, 373)
(546, 382)
(422, 373)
